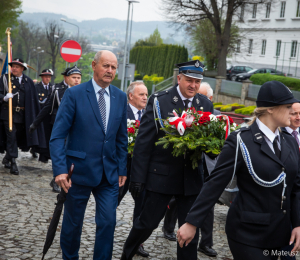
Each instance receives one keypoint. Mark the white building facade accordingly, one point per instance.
(270, 36)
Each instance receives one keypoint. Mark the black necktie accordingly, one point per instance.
(139, 115)
(186, 104)
(276, 148)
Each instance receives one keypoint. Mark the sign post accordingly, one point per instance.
(70, 51)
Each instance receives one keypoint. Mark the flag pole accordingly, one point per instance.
(9, 80)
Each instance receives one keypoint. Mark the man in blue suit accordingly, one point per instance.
(92, 118)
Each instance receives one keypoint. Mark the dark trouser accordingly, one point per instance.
(138, 202)
(245, 252)
(206, 230)
(154, 209)
(106, 197)
(11, 139)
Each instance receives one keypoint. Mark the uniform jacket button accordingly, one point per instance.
(284, 198)
(284, 212)
(283, 169)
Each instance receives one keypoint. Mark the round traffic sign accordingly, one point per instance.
(70, 51)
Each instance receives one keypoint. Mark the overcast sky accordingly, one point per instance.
(146, 10)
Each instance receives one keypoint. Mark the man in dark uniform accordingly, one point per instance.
(44, 88)
(137, 94)
(155, 169)
(72, 77)
(25, 107)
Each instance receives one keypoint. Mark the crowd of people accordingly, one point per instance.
(86, 125)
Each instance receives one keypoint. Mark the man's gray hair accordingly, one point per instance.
(97, 56)
(210, 92)
(132, 86)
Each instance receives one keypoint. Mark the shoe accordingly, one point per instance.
(141, 251)
(123, 257)
(34, 155)
(43, 158)
(169, 235)
(14, 168)
(55, 187)
(209, 251)
(6, 163)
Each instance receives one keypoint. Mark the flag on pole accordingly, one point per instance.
(5, 66)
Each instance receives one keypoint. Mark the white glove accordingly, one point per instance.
(8, 95)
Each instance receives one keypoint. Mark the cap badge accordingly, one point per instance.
(197, 64)
(175, 99)
(197, 101)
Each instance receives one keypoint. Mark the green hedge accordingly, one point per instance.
(245, 111)
(158, 60)
(259, 79)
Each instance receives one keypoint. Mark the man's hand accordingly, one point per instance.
(62, 182)
(8, 96)
(136, 189)
(122, 180)
(295, 237)
(32, 128)
(186, 234)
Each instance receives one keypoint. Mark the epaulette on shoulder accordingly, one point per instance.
(161, 93)
(244, 128)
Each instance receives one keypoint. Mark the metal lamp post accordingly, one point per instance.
(125, 51)
(64, 20)
(37, 69)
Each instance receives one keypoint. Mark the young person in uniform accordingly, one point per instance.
(266, 163)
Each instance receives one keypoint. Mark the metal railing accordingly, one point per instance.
(210, 81)
(164, 85)
(231, 88)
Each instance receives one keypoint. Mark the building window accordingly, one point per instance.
(298, 9)
(254, 10)
(242, 13)
(294, 49)
(250, 46)
(263, 47)
(282, 9)
(278, 47)
(238, 46)
(268, 10)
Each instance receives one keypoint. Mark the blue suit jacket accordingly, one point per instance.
(87, 146)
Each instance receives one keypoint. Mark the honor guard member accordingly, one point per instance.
(25, 106)
(267, 165)
(157, 170)
(43, 88)
(72, 77)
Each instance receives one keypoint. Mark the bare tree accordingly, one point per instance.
(187, 12)
(55, 35)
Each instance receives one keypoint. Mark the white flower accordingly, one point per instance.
(132, 121)
(213, 118)
(234, 125)
(130, 139)
(225, 127)
(201, 108)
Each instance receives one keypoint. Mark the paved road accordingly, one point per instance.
(26, 207)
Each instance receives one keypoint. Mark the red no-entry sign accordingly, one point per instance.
(70, 51)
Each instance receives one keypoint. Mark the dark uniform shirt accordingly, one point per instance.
(52, 104)
(157, 167)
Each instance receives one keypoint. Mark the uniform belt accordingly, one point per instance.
(17, 109)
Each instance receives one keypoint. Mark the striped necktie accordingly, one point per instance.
(102, 106)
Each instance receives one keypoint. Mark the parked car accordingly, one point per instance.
(247, 75)
(237, 69)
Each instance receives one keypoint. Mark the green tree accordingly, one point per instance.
(204, 41)
(9, 13)
(155, 38)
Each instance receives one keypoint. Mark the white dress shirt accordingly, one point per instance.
(106, 98)
(184, 98)
(135, 111)
(20, 79)
(45, 86)
(268, 134)
(290, 130)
